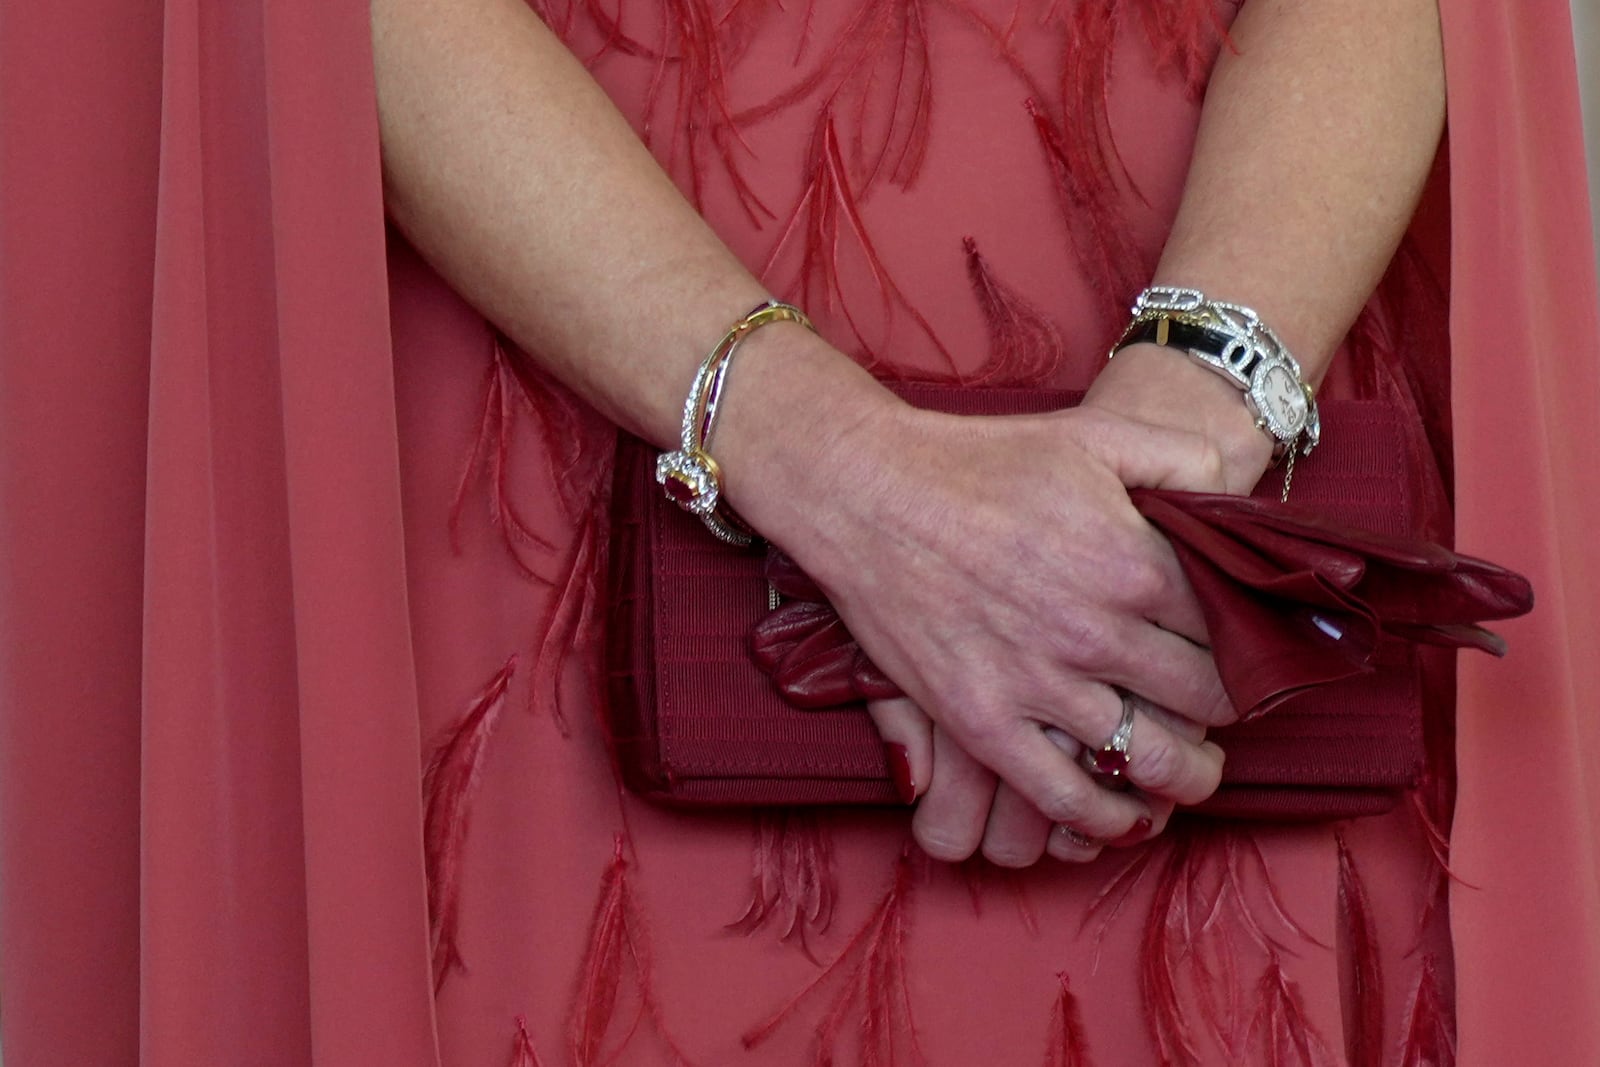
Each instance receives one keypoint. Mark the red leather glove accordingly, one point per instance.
(805, 647)
(1291, 601)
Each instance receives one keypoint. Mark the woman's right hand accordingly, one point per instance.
(962, 808)
(996, 570)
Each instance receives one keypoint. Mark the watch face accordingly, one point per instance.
(1281, 401)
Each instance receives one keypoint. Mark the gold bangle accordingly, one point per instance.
(689, 476)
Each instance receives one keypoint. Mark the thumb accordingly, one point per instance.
(908, 744)
(1146, 456)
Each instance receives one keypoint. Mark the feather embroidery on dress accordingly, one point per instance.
(1214, 914)
(872, 1001)
(1364, 1042)
(874, 88)
(1068, 1047)
(451, 778)
(572, 620)
(1094, 185)
(870, 136)
(1092, 181)
(977, 873)
(793, 884)
(1281, 1028)
(608, 1009)
(523, 1054)
(1184, 36)
(1428, 1036)
(579, 448)
(688, 93)
(1025, 348)
(504, 398)
(875, 81)
(1096, 225)
(1436, 895)
(826, 218)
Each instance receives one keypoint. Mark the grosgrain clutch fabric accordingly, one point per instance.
(719, 699)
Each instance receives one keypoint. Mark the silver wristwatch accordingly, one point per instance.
(1234, 342)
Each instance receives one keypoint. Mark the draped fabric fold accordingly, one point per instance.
(218, 804)
(210, 813)
(80, 103)
(1525, 367)
(220, 786)
(360, 750)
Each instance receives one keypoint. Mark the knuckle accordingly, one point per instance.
(1085, 639)
(1160, 767)
(985, 730)
(1219, 707)
(1198, 700)
(1010, 854)
(1209, 465)
(1069, 803)
(1144, 582)
(943, 844)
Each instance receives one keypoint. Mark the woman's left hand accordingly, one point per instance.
(962, 807)
(1164, 387)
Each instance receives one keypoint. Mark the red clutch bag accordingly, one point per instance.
(1314, 611)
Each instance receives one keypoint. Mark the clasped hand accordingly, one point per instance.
(996, 570)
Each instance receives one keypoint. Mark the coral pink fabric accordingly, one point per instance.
(212, 835)
(237, 621)
(1524, 323)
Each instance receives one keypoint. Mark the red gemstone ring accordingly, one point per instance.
(1110, 761)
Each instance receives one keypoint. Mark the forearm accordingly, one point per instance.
(516, 178)
(1315, 141)
(520, 182)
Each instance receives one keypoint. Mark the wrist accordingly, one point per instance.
(1163, 387)
(1234, 342)
(795, 416)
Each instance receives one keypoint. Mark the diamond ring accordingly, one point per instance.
(1110, 760)
(1077, 837)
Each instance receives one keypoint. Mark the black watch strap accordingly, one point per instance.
(1177, 335)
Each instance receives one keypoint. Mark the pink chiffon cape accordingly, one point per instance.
(216, 704)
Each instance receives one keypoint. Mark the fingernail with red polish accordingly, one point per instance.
(899, 761)
(1140, 831)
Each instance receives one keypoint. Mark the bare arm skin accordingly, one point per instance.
(1315, 142)
(512, 173)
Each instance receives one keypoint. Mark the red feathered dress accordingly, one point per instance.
(299, 753)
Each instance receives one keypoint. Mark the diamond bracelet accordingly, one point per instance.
(1232, 341)
(689, 476)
